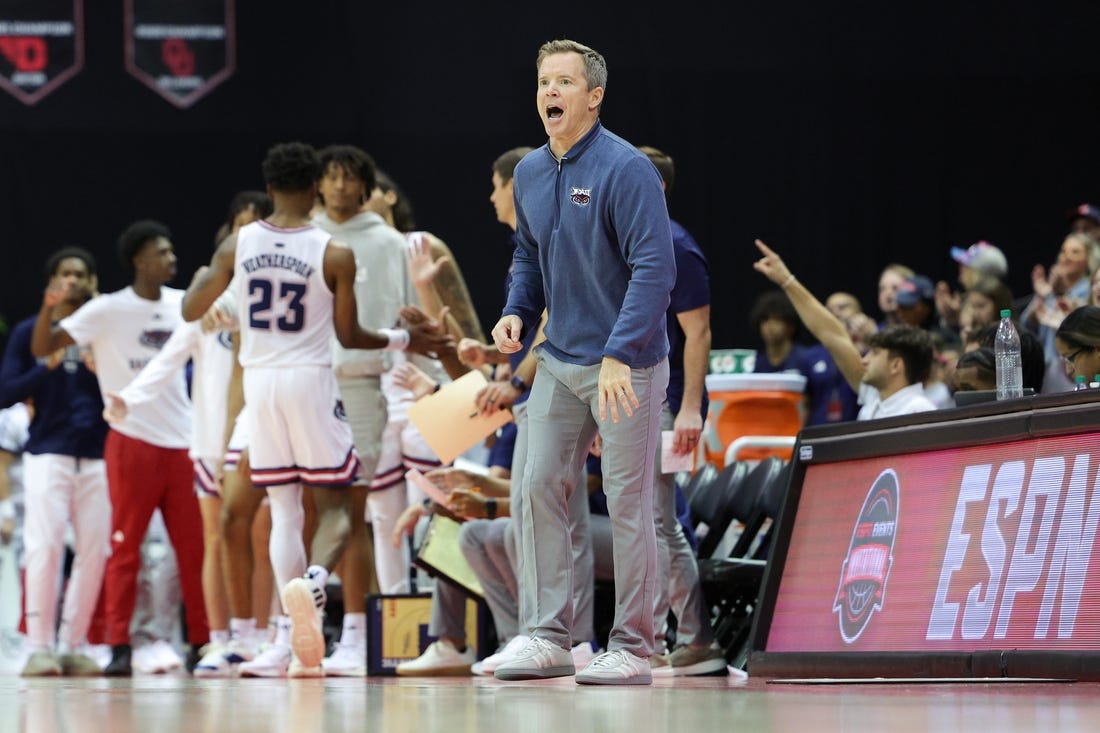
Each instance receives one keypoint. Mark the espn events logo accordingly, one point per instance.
(870, 557)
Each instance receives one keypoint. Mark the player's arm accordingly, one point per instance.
(20, 373)
(688, 424)
(450, 479)
(46, 337)
(424, 268)
(818, 320)
(502, 394)
(427, 337)
(211, 281)
(474, 353)
(472, 504)
(451, 286)
(424, 337)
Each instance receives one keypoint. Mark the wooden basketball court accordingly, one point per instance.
(178, 704)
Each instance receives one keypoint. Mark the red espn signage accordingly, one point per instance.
(961, 549)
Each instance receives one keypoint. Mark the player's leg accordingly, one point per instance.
(45, 497)
(90, 514)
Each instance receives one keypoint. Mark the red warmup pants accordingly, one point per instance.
(141, 478)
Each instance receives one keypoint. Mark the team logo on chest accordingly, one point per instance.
(154, 338)
(581, 196)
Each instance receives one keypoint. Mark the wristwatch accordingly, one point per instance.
(491, 508)
(518, 383)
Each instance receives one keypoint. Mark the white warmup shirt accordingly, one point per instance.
(905, 401)
(212, 357)
(124, 332)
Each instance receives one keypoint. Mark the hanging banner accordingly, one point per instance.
(180, 50)
(41, 46)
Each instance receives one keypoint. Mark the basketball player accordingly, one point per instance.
(294, 285)
(146, 454)
(65, 479)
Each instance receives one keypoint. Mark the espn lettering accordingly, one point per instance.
(1055, 535)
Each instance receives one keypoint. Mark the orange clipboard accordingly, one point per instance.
(449, 421)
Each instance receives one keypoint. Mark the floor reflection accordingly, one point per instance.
(180, 704)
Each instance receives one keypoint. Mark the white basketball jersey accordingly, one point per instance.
(284, 304)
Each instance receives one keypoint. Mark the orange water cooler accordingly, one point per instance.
(763, 409)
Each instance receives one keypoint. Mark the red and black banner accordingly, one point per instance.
(180, 50)
(41, 46)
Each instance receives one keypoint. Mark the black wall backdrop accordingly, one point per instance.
(847, 137)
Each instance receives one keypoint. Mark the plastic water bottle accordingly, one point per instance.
(1010, 372)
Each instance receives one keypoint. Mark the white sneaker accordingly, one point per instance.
(42, 663)
(101, 653)
(616, 667)
(440, 659)
(222, 660)
(303, 598)
(212, 663)
(238, 651)
(687, 661)
(538, 659)
(78, 663)
(298, 670)
(166, 655)
(261, 637)
(488, 666)
(583, 653)
(346, 660)
(141, 658)
(156, 658)
(271, 662)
